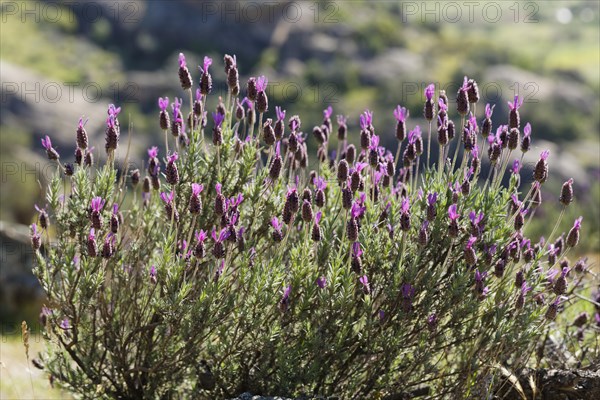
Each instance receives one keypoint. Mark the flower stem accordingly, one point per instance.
(428, 145)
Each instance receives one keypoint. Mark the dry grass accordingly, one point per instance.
(15, 382)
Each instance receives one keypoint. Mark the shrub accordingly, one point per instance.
(219, 272)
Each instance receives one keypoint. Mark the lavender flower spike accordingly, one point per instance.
(285, 299)
(573, 236)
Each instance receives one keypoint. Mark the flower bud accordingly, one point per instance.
(307, 211)
(351, 154)
(352, 229)
(275, 168)
(566, 194)
(342, 171)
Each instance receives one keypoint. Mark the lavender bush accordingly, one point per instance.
(226, 265)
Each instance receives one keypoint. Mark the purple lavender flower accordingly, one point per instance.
(163, 104)
(199, 250)
(277, 226)
(357, 211)
(405, 206)
(566, 193)
(82, 136)
(356, 250)
(108, 249)
(477, 224)
(516, 167)
(112, 129)
(153, 279)
(50, 151)
(316, 234)
(469, 253)
(153, 152)
(486, 126)
(97, 204)
(195, 204)
(520, 218)
(262, 101)
(92, 246)
(172, 173)
(285, 299)
(540, 172)
(177, 125)
(428, 109)
(321, 282)
(36, 237)
(170, 211)
(429, 91)
(443, 108)
(42, 217)
(182, 63)
(573, 236)
(432, 322)
(526, 141)
(65, 324)
(218, 248)
(163, 118)
(218, 118)
(366, 120)
(489, 110)
(414, 135)
(327, 113)
(364, 280)
(553, 309)
(342, 127)
(516, 104)
(520, 302)
(201, 236)
(401, 114)
(452, 213)
(280, 113)
(261, 83)
(480, 289)
(205, 79)
(408, 293)
(462, 98)
(219, 270)
(167, 197)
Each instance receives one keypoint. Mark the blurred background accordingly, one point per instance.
(60, 60)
